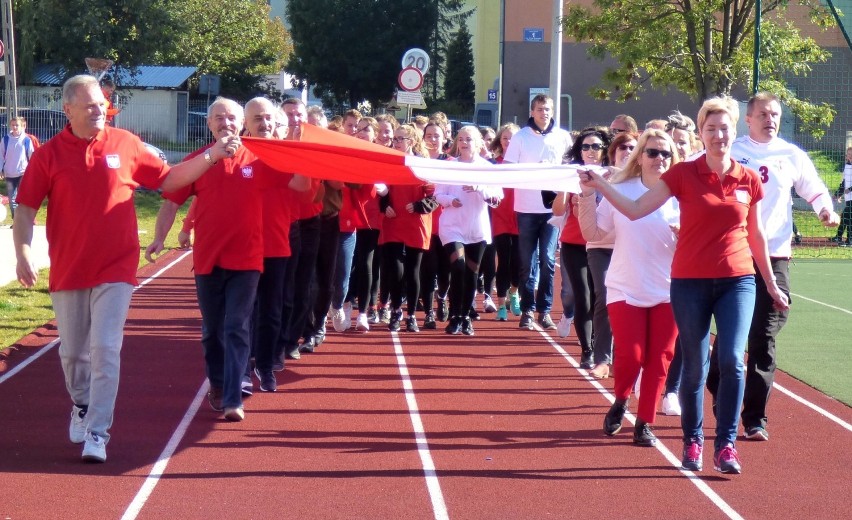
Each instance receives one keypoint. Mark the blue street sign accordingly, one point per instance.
(492, 94)
(533, 34)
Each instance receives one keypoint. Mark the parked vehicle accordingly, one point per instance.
(41, 122)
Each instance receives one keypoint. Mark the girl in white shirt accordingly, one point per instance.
(638, 282)
(464, 230)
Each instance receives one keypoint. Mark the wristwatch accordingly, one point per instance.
(209, 157)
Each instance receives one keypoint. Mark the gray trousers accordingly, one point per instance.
(91, 330)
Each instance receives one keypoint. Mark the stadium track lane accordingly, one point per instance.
(514, 430)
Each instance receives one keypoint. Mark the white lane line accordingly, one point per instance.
(822, 411)
(847, 311)
(702, 486)
(439, 507)
(159, 467)
(43, 350)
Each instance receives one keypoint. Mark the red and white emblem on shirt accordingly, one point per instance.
(113, 161)
(248, 173)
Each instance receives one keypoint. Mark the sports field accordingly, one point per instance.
(815, 345)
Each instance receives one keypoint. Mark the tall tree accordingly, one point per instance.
(235, 39)
(459, 87)
(352, 49)
(701, 47)
(447, 15)
(65, 32)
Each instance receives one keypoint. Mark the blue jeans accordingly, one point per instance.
(345, 253)
(536, 235)
(226, 299)
(730, 301)
(12, 184)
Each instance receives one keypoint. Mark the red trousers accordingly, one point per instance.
(644, 337)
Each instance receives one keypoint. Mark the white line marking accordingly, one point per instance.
(43, 350)
(822, 303)
(673, 460)
(817, 409)
(439, 507)
(159, 467)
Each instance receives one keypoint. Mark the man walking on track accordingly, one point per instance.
(94, 246)
(781, 166)
(541, 141)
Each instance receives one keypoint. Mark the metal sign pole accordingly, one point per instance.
(9, 40)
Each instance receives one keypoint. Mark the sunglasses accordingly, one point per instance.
(653, 153)
(594, 146)
(626, 147)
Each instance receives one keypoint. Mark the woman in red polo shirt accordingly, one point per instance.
(721, 240)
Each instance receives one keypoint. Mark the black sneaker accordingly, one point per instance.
(836, 239)
(411, 324)
(614, 417)
(526, 320)
(473, 314)
(384, 315)
(429, 321)
(756, 433)
(643, 436)
(309, 345)
(467, 326)
(587, 360)
(395, 318)
(454, 326)
(214, 397)
(546, 322)
(267, 380)
(443, 309)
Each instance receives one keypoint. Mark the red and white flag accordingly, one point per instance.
(325, 154)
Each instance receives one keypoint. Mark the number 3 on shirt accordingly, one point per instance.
(764, 174)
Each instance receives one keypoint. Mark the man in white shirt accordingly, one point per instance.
(781, 166)
(541, 141)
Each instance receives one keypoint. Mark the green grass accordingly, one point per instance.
(23, 310)
(814, 345)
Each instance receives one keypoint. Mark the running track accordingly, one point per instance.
(502, 425)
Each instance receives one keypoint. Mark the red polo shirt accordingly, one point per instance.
(229, 215)
(91, 219)
(713, 239)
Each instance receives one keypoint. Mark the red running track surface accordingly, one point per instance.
(510, 426)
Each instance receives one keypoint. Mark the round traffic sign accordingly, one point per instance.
(410, 79)
(2, 50)
(417, 58)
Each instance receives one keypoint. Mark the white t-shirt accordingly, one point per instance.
(469, 223)
(781, 166)
(641, 266)
(847, 183)
(528, 146)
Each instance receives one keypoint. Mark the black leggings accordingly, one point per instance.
(508, 263)
(401, 265)
(577, 265)
(488, 268)
(434, 271)
(365, 285)
(464, 270)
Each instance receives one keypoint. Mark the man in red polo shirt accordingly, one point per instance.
(91, 292)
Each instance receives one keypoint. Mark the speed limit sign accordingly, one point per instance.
(416, 58)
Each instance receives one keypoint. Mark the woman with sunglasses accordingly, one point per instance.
(585, 263)
(621, 147)
(406, 232)
(638, 282)
(721, 240)
(465, 229)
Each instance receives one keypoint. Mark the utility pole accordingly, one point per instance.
(9, 57)
(556, 61)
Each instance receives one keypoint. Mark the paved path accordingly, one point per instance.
(7, 253)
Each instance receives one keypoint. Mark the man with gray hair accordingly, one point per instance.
(91, 292)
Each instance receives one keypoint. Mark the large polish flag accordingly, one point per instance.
(325, 154)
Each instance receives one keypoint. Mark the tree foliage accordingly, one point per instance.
(701, 47)
(459, 87)
(65, 32)
(235, 39)
(352, 49)
(232, 38)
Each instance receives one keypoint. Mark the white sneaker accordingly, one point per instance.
(363, 323)
(94, 449)
(564, 326)
(78, 426)
(347, 314)
(338, 320)
(671, 404)
(488, 304)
